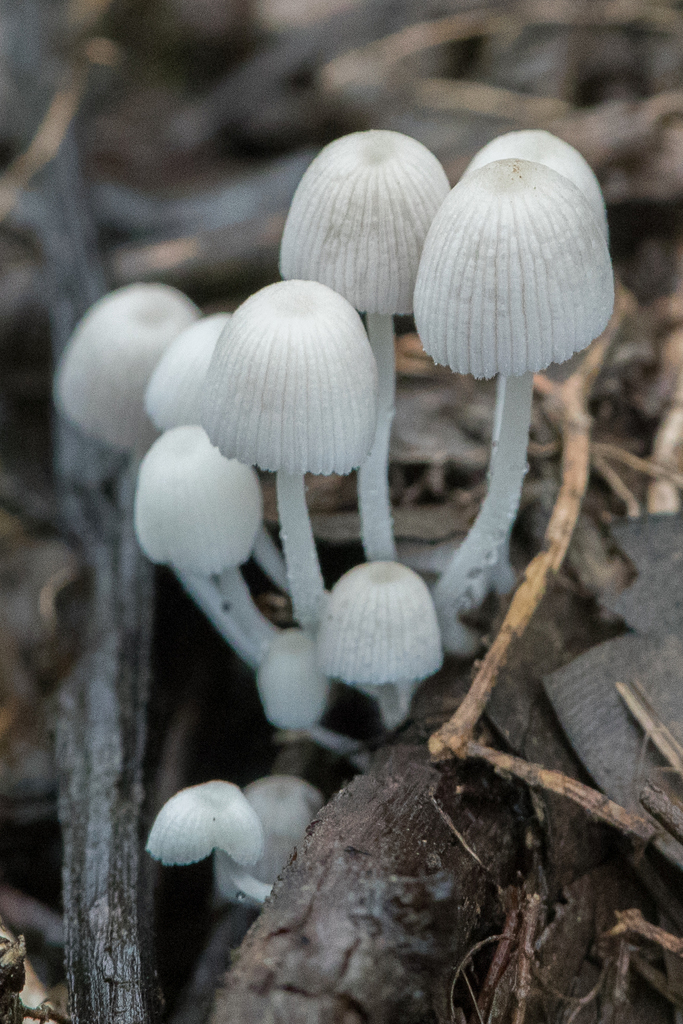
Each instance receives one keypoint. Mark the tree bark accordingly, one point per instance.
(371, 919)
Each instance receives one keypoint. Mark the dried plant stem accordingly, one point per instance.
(647, 466)
(599, 806)
(663, 495)
(632, 922)
(530, 915)
(636, 700)
(572, 397)
(663, 809)
(616, 484)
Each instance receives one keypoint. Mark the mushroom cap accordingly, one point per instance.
(174, 394)
(194, 509)
(292, 383)
(202, 818)
(543, 148)
(292, 688)
(359, 218)
(101, 379)
(286, 805)
(380, 627)
(515, 273)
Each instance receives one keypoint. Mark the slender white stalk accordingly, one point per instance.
(393, 700)
(502, 576)
(466, 580)
(303, 569)
(238, 602)
(374, 503)
(250, 886)
(206, 595)
(268, 557)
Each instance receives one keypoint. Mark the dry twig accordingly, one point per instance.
(663, 495)
(572, 397)
(617, 485)
(500, 961)
(632, 922)
(663, 809)
(596, 803)
(530, 915)
(636, 700)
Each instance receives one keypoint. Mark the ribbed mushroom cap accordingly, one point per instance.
(359, 218)
(194, 509)
(379, 627)
(515, 273)
(101, 379)
(292, 688)
(201, 818)
(543, 148)
(174, 393)
(292, 383)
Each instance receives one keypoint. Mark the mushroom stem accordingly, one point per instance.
(250, 886)
(206, 595)
(237, 601)
(374, 503)
(268, 557)
(467, 579)
(503, 576)
(303, 569)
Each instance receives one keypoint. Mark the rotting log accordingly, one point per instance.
(100, 720)
(384, 900)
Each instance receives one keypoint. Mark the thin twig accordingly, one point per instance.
(501, 959)
(530, 915)
(632, 922)
(636, 700)
(616, 484)
(667, 449)
(465, 960)
(597, 804)
(663, 809)
(448, 822)
(572, 396)
(647, 466)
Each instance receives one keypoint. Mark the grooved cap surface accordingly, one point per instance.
(515, 273)
(101, 379)
(174, 394)
(544, 148)
(201, 818)
(292, 383)
(194, 509)
(359, 218)
(379, 627)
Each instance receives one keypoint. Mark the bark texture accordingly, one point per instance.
(370, 921)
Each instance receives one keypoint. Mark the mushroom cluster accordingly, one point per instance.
(507, 272)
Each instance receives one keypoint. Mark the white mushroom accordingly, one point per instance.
(515, 274)
(357, 223)
(292, 388)
(293, 690)
(380, 634)
(199, 513)
(101, 379)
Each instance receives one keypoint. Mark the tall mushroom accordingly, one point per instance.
(357, 223)
(515, 274)
(292, 388)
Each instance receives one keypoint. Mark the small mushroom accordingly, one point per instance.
(292, 388)
(101, 379)
(199, 513)
(293, 690)
(515, 274)
(380, 634)
(357, 223)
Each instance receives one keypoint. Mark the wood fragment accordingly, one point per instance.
(636, 700)
(632, 922)
(571, 397)
(531, 913)
(663, 809)
(667, 450)
(634, 825)
(614, 481)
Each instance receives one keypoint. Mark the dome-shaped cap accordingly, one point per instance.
(194, 509)
(515, 273)
(291, 686)
(359, 218)
(543, 148)
(201, 818)
(292, 383)
(286, 806)
(379, 627)
(174, 393)
(101, 379)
